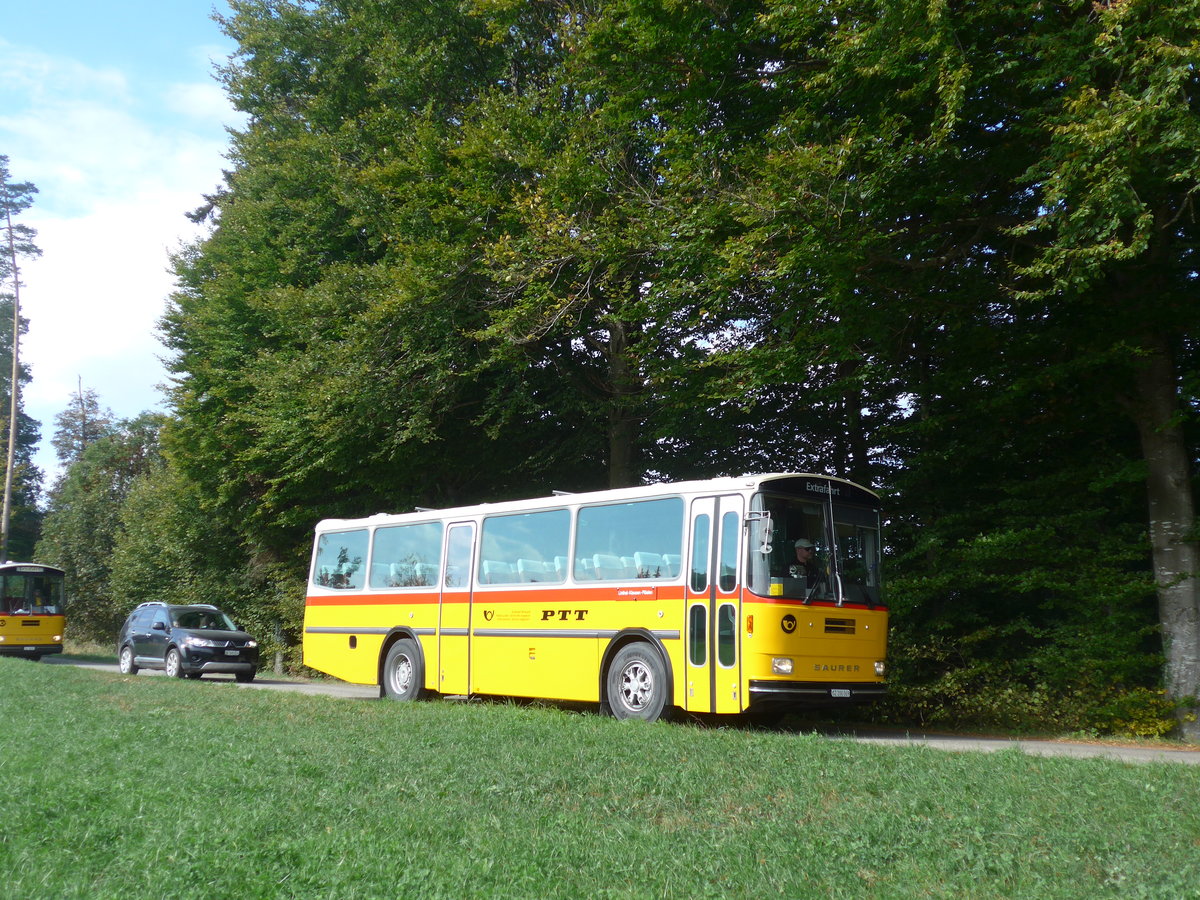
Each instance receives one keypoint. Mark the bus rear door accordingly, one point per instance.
(454, 620)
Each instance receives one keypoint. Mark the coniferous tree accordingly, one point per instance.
(80, 424)
(18, 242)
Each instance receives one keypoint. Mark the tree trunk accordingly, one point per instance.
(622, 418)
(1176, 553)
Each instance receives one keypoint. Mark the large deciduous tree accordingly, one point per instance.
(984, 212)
(475, 250)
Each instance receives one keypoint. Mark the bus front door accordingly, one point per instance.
(454, 619)
(713, 594)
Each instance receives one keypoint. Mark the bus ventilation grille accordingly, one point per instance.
(839, 626)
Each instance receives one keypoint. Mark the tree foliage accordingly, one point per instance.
(469, 251)
(83, 523)
(79, 425)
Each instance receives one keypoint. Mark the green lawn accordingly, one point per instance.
(148, 787)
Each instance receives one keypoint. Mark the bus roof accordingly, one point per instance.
(725, 484)
(27, 568)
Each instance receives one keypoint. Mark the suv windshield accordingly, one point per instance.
(818, 550)
(202, 619)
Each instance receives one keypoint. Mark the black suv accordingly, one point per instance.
(185, 640)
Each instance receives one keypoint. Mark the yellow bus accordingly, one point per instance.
(31, 610)
(732, 595)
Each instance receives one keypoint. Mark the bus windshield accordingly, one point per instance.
(816, 549)
(24, 593)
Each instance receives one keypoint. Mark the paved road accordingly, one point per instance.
(950, 742)
(1127, 753)
(268, 683)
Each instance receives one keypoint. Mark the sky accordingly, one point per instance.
(112, 109)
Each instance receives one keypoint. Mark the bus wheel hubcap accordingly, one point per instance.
(637, 685)
(402, 675)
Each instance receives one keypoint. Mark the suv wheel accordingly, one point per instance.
(174, 664)
(125, 661)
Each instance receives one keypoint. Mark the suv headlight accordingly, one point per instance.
(199, 641)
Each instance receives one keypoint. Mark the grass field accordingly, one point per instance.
(148, 787)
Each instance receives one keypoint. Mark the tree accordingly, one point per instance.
(24, 481)
(471, 251)
(79, 425)
(971, 236)
(83, 522)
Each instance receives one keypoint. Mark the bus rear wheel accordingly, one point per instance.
(403, 675)
(637, 684)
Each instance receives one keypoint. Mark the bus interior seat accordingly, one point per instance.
(608, 568)
(648, 565)
(531, 570)
(495, 572)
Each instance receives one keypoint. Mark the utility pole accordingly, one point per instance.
(13, 407)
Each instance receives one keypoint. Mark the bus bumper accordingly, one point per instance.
(31, 651)
(813, 693)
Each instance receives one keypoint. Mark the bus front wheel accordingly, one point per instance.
(403, 676)
(637, 684)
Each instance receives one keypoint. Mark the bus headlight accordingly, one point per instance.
(879, 667)
(781, 665)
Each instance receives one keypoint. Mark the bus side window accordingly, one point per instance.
(340, 560)
(522, 548)
(700, 534)
(407, 555)
(629, 541)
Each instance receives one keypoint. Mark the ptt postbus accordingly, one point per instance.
(31, 610)
(645, 600)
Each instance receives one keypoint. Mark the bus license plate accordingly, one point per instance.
(840, 693)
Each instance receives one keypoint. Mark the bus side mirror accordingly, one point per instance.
(763, 516)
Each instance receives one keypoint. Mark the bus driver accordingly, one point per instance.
(806, 565)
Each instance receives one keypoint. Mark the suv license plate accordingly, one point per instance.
(840, 693)
(232, 652)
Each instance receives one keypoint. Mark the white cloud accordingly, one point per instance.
(200, 101)
(116, 170)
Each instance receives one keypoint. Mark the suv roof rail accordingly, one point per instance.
(164, 603)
